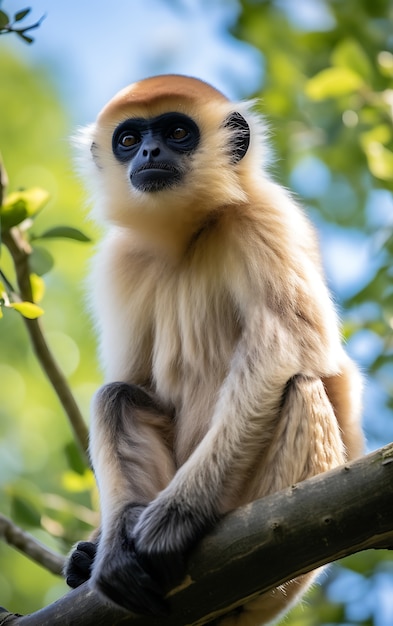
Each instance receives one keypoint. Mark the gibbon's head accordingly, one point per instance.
(169, 148)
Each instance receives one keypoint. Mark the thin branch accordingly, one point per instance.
(7, 283)
(259, 547)
(26, 543)
(11, 28)
(20, 255)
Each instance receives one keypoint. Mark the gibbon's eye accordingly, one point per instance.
(178, 133)
(128, 140)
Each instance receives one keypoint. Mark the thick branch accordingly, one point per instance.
(59, 383)
(27, 544)
(260, 546)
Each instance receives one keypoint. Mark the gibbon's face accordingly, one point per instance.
(155, 150)
(162, 145)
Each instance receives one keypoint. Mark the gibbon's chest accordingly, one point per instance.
(195, 329)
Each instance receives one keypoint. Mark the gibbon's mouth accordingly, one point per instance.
(155, 176)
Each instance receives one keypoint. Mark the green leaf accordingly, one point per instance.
(12, 214)
(74, 458)
(37, 287)
(350, 54)
(4, 19)
(41, 261)
(22, 204)
(36, 198)
(380, 134)
(379, 158)
(385, 62)
(76, 483)
(21, 14)
(380, 161)
(333, 82)
(24, 512)
(27, 309)
(67, 232)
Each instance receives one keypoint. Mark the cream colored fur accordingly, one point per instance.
(211, 296)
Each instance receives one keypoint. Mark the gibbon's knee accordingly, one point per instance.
(119, 407)
(111, 396)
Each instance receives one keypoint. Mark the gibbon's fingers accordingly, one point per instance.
(80, 563)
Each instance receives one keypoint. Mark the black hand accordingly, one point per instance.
(80, 563)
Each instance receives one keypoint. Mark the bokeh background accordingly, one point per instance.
(322, 73)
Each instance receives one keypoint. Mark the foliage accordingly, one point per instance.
(17, 215)
(12, 25)
(45, 485)
(328, 97)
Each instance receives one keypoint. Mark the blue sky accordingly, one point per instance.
(96, 48)
(93, 49)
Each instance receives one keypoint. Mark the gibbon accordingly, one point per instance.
(225, 375)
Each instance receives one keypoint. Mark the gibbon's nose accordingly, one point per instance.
(151, 150)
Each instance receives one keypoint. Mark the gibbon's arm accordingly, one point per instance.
(123, 279)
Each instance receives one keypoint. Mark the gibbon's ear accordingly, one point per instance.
(240, 135)
(94, 154)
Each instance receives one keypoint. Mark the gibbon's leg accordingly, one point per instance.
(345, 394)
(306, 442)
(131, 449)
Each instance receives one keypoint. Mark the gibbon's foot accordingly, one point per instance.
(163, 538)
(80, 563)
(123, 580)
(120, 575)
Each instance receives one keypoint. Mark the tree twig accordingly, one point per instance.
(31, 547)
(259, 547)
(20, 255)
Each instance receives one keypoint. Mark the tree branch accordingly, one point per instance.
(26, 543)
(258, 547)
(17, 247)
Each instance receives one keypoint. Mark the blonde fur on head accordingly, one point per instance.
(224, 185)
(225, 375)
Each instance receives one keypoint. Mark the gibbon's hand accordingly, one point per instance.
(122, 578)
(80, 563)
